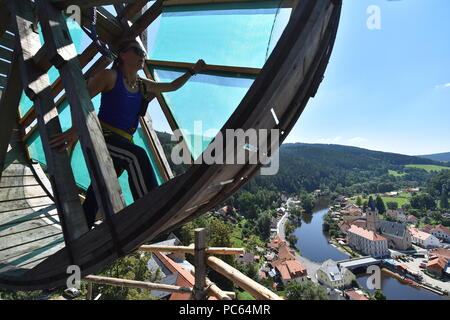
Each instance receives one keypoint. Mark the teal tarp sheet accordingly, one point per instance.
(239, 35)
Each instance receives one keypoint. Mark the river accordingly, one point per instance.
(313, 244)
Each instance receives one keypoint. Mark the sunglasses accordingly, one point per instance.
(136, 50)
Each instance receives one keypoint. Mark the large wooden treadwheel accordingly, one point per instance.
(291, 76)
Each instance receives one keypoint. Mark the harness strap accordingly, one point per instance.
(118, 131)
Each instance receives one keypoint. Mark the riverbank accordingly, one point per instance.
(311, 266)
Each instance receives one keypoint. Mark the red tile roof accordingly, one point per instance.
(442, 229)
(276, 242)
(285, 253)
(440, 251)
(184, 279)
(355, 296)
(437, 263)
(366, 233)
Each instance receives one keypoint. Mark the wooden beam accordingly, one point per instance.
(156, 147)
(112, 35)
(144, 20)
(4, 67)
(191, 250)
(213, 290)
(5, 19)
(62, 4)
(254, 288)
(174, 3)
(5, 54)
(37, 87)
(9, 104)
(3, 81)
(7, 40)
(61, 52)
(137, 284)
(85, 57)
(200, 264)
(237, 71)
(130, 11)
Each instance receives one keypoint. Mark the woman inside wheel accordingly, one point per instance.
(122, 93)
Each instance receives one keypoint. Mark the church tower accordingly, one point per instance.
(372, 220)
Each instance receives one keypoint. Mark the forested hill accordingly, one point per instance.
(438, 156)
(349, 157)
(336, 168)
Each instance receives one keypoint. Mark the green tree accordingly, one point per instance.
(358, 201)
(392, 205)
(263, 225)
(423, 201)
(379, 204)
(379, 295)
(444, 198)
(307, 290)
(131, 267)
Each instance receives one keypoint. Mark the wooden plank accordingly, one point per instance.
(131, 10)
(144, 20)
(5, 54)
(7, 40)
(62, 4)
(172, 3)
(9, 105)
(236, 71)
(37, 86)
(4, 67)
(3, 81)
(62, 54)
(166, 110)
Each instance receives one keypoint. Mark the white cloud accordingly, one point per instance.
(330, 140)
(442, 86)
(357, 140)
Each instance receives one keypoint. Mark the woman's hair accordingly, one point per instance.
(122, 46)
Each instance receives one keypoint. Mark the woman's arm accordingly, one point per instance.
(157, 87)
(101, 82)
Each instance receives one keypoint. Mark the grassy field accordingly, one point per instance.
(396, 174)
(401, 199)
(427, 167)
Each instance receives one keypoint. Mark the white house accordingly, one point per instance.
(441, 232)
(423, 239)
(330, 275)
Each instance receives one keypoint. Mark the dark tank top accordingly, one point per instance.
(119, 107)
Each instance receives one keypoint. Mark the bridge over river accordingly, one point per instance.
(358, 262)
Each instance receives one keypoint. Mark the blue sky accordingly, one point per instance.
(386, 89)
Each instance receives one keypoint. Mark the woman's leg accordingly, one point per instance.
(135, 161)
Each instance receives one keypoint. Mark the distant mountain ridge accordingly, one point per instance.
(444, 157)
